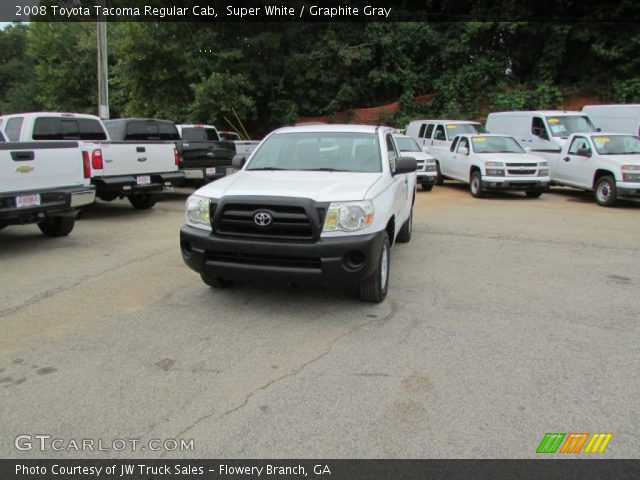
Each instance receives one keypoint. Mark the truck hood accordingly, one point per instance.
(318, 186)
(510, 157)
(630, 159)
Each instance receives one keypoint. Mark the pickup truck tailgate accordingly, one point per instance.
(26, 166)
(199, 154)
(130, 158)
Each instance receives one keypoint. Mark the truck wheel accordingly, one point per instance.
(404, 235)
(605, 191)
(216, 282)
(57, 226)
(374, 288)
(439, 177)
(427, 187)
(144, 202)
(532, 194)
(475, 185)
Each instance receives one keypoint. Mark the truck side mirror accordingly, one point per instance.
(405, 165)
(463, 151)
(583, 152)
(238, 161)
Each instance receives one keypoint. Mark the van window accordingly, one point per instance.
(55, 128)
(14, 125)
(439, 135)
(565, 125)
(429, 131)
(538, 128)
(421, 132)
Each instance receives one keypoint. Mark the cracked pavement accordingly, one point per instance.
(506, 318)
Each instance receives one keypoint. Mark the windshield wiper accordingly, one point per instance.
(325, 169)
(267, 168)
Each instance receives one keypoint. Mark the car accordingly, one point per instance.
(493, 162)
(607, 164)
(426, 164)
(316, 204)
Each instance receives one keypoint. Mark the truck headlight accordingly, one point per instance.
(348, 216)
(543, 172)
(631, 173)
(544, 164)
(495, 172)
(198, 210)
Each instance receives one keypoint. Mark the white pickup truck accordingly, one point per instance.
(44, 184)
(493, 162)
(139, 169)
(606, 163)
(315, 204)
(426, 171)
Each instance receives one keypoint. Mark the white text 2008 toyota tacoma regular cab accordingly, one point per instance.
(313, 205)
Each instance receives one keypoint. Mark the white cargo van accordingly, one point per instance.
(615, 118)
(543, 132)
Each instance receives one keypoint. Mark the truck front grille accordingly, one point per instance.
(522, 172)
(286, 221)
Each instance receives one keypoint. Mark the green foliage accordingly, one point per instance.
(544, 97)
(627, 91)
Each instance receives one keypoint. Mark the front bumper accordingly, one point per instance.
(628, 189)
(56, 202)
(327, 261)
(128, 184)
(531, 183)
(427, 177)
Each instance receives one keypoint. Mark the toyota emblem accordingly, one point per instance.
(262, 219)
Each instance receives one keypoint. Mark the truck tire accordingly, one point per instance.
(216, 282)
(374, 288)
(475, 185)
(532, 194)
(404, 235)
(439, 177)
(145, 201)
(427, 187)
(605, 191)
(57, 226)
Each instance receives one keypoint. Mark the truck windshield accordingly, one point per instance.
(199, 133)
(564, 125)
(496, 145)
(406, 144)
(616, 144)
(320, 151)
(454, 129)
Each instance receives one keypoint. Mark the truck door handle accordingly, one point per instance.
(142, 159)
(567, 159)
(22, 156)
(141, 149)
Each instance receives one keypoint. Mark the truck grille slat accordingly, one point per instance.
(265, 260)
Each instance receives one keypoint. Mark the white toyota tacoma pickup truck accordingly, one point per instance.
(44, 184)
(606, 163)
(315, 204)
(493, 162)
(139, 168)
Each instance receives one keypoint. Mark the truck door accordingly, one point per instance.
(426, 140)
(460, 160)
(575, 167)
(400, 185)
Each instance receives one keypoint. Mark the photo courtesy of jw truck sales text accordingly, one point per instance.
(363, 240)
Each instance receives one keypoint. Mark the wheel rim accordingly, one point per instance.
(384, 267)
(475, 184)
(604, 191)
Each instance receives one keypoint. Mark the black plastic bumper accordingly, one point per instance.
(328, 261)
(427, 179)
(57, 202)
(516, 185)
(126, 184)
(628, 192)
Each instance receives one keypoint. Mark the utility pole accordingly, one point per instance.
(103, 74)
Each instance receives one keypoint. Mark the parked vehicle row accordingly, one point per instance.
(544, 148)
(136, 158)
